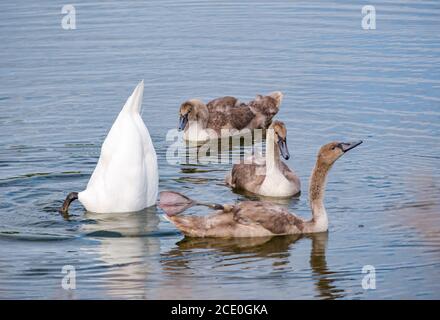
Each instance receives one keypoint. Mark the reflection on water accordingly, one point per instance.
(275, 251)
(325, 282)
(60, 90)
(264, 247)
(126, 242)
(128, 224)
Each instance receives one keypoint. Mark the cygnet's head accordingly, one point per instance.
(332, 151)
(280, 133)
(191, 110)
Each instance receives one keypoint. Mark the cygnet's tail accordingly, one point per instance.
(174, 203)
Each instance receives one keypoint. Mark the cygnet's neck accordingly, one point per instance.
(199, 115)
(318, 181)
(272, 152)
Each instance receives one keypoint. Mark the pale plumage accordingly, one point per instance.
(126, 175)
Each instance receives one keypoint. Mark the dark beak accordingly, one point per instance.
(183, 121)
(282, 144)
(345, 146)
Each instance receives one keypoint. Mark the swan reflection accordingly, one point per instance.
(191, 255)
(126, 249)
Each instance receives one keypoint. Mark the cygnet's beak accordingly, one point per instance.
(183, 121)
(282, 145)
(345, 146)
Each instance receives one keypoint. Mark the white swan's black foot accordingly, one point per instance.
(70, 197)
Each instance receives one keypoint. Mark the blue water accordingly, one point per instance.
(60, 91)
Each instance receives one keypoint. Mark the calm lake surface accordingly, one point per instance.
(60, 91)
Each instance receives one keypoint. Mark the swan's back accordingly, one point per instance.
(229, 113)
(246, 219)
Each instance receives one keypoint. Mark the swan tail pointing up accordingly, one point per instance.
(134, 103)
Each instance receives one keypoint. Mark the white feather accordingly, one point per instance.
(126, 176)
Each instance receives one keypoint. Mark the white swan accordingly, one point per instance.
(126, 176)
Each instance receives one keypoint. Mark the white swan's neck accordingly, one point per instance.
(272, 153)
(318, 180)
